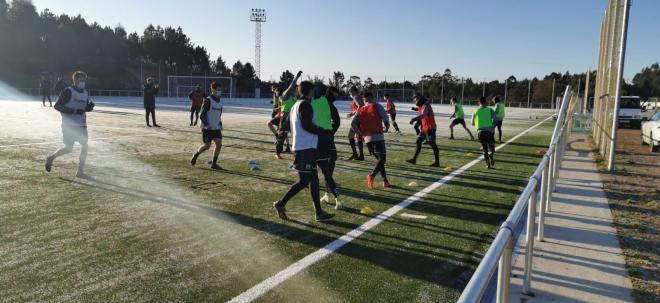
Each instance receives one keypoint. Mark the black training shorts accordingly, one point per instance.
(486, 137)
(498, 123)
(208, 135)
(378, 147)
(305, 161)
(458, 121)
(428, 136)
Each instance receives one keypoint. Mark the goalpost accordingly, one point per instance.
(396, 94)
(180, 86)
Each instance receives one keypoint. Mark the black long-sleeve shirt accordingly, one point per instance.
(336, 120)
(306, 113)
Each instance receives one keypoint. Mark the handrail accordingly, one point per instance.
(540, 186)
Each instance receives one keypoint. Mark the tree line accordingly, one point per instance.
(34, 43)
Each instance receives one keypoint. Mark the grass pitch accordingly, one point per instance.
(149, 227)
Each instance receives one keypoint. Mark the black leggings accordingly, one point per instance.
(194, 112)
(327, 170)
(417, 126)
(418, 149)
(279, 145)
(489, 150)
(151, 111)
(310, 178)
(380, 166)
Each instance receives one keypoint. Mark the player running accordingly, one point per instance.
(428, 131)
(459, 118)
(211, 126)
(355, 105)
(499, 111)
(196, 98)
(73, 104)
(305, 141)
(484, 119)
(390, 108)
(368, 122)
(327, 118)
(287, 101)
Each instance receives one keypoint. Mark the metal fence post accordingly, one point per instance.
(504, 271)
(529, 249)
(544, 199)
(551, 176)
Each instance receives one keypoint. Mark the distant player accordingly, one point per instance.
(390, 108)
(288, 99)
(327, 117)
(196, 98)
(305, 141)
(45, 87)
(499, 110)
(60, 85)
(150, 91)
(428, 131)
(484, 119)
(211, 125)
(368, 122)
(355, 105)
(73, 104)
(277, 91)
(459, 118)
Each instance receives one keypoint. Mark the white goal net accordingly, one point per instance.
(396, 95)
(179, 87)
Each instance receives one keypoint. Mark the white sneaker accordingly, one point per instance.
(325, 198)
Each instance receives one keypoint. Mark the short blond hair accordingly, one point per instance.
(77, 74)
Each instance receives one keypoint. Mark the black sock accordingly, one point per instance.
(360, 145)
(396, 126)
(418, 147)
(352, 143)
(436, 151)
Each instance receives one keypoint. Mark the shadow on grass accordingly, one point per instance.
(438, 264)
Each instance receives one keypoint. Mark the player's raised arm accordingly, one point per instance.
(289, 90)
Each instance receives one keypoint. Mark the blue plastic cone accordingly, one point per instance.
(255, 168)
(251, 162)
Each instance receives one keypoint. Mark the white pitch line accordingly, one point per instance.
(95, 139)
(266, 285)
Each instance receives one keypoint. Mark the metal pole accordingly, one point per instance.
(529, 247)
(462, 89)
(551, 175)
(506, 84)
(552, 99)
(529, 92)
(483, 94)
(504, 272)
(578, 88)
(544, 199)
(585, 99)
(619, 78)
(442, 89)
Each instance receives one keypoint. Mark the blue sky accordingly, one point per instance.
(393, 39)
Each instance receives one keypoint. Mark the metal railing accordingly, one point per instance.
(539, 189)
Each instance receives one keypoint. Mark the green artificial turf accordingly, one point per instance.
(149, 227)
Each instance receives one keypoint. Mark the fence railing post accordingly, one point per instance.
(529, 247)
(504, 271)
(544, 199)
(551, 176)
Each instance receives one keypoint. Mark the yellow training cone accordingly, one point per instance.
(413, 183)
(470, 154)
(366, 210)
(447, 168)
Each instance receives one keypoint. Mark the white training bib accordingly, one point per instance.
(302, 139)
(78, 101)
(214, 115)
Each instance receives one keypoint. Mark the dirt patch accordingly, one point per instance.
(633, 192)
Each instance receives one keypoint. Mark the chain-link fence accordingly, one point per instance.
(608, 81)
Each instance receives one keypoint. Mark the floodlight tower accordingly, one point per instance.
(258, 16)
